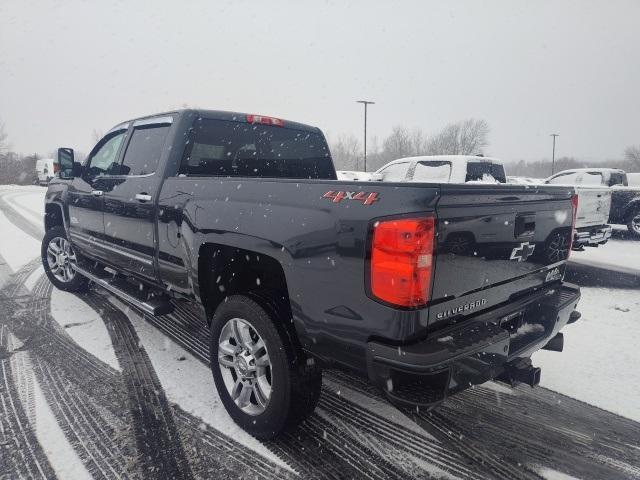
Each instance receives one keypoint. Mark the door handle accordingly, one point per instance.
(97, 193)
(143, 197)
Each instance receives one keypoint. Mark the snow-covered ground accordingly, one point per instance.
(598, 366)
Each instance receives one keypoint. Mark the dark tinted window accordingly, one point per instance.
(617, 179)
(144, 150)
(239, 149)
(484, 171)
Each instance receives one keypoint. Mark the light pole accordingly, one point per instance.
(365, 103)
(553, 155)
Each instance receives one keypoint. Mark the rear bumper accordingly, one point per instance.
(589, 236)
(480, 349)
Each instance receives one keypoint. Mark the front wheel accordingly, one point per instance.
(59, 261)
(634, 223)
(262, 382)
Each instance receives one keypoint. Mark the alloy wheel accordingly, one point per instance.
(61, 259)
(245, 366)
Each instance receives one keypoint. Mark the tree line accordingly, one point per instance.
(466, 137)
(15, 168)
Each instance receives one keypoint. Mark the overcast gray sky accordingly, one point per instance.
(528, 68)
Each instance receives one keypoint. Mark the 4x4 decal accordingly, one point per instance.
(367, 198)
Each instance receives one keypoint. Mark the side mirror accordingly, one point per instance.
(66, 163)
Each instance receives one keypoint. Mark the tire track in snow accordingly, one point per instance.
(186, 329)
(22, 455)
(159, 446)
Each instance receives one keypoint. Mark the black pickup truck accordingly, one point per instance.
(296, 271)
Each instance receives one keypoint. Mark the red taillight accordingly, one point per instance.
(56, 167)
(402, 261)
(276, 122)
(574, 204)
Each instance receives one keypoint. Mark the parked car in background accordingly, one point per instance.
(594, 204)
(625, 194)
(357, 175)
(444, 169)
(46, 169)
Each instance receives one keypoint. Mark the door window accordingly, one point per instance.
(104, 158)
(144, 150)
(396, 172)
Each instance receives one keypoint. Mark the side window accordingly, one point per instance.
(616, 179)
(144, 150)
(103, 160)
(591, 178)
(395, 173)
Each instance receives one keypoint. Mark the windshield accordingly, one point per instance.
(240, 149)
(433, 171)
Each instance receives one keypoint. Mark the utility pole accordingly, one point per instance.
(553, 155)
(365, 103)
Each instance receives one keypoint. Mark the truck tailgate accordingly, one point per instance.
(594, 204)
(494, 246)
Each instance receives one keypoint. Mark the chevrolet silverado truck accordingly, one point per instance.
(625, 198)
(296, 271)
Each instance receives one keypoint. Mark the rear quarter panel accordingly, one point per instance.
(320, 244)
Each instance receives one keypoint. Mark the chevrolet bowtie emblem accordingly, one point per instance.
(521, 253)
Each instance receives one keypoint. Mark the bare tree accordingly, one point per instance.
(4, 145)
(398, 144)
(632, 155)
(346, 152)
(468, 137)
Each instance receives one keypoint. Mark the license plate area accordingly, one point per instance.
(512, 322)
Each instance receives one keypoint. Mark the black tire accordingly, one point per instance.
(77, 283)
(633, 224)
(556, 248)
(296, 385)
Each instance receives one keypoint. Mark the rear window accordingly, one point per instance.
(485, 172)
(437, 172)
(238, 149)
(617, 179)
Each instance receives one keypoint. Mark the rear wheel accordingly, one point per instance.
(557, 247)
(634, 222)
(262, 381)
(59, 260)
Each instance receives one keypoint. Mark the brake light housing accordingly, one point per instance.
(574, 204)
(401, 265)
(262, 120)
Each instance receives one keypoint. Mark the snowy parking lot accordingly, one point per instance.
(92, 388)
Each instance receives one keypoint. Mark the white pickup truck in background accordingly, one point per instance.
(594, 205)
(444, 169)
